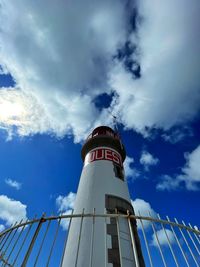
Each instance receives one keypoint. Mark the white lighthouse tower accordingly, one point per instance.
(102, 189)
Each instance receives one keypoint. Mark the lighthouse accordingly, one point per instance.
(102, 190)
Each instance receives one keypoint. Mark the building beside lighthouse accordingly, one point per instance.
(103, 190)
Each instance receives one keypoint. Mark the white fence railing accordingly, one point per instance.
(41, 242)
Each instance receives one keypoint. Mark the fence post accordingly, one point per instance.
(42, 220)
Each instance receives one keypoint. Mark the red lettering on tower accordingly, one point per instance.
(108, 154)
(92, 156)
(99, 154)
(103, 154)
(116, 158)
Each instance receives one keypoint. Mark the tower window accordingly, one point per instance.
(113, 202)
(119, 172)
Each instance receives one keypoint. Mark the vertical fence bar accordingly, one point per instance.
(192, 239)
(181, 249)
(11, 239)
(106, 249)
(79, 238)
(41, 245)
(187, 244)
(66, 238)
(5, 262)
(195, 234)
(92, 238)
(198, 237)
(133, 242)
(54, 240)
(159, 246)
(169, 243)
(7, 237)
(15, 231)
(23, 242)
(28, 253)
(145, 239)
(3, 237)
(119, 241)
(16, 241)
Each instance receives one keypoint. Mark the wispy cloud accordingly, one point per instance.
(147, 160)
(129, 169)
(189, 176)
(143, 208)
(13, 183)
(177, 135)
(163, 237)
(65, 205)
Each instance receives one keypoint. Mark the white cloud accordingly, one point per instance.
(65, 205)
(177, 135)
(148, 160)
(168, 183)
(190, 175)
(191, 170)
(11, 210)
(59, 62)
(21, 111)
(130, 171)
(143, 208)
(162, 237)
(2, 227)
(63, 58)
(13, 183)
(168, 92)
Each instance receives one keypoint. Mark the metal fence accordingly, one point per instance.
(41, 242)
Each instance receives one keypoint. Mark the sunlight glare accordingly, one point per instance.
(10, 111)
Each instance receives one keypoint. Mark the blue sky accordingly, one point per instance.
(63, 72)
